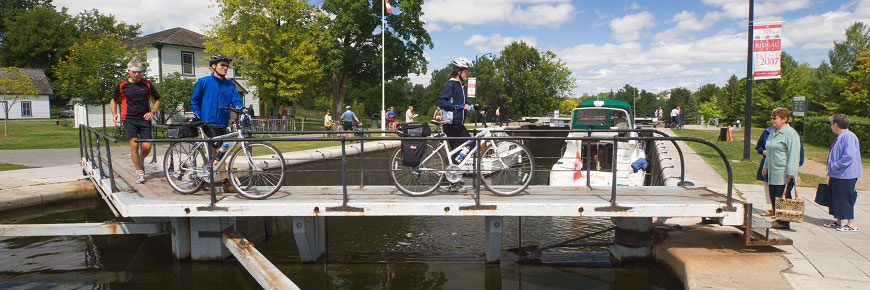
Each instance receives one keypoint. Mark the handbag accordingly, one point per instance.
(823, 195)
(789, 209)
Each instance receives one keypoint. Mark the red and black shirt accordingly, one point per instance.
(134, 99)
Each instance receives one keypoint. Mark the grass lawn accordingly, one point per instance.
(744, 172)
(5, 166)
(41, 134)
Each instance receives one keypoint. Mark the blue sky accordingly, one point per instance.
(654, 45)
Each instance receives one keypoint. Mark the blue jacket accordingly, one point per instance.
(211, 92)
(844, 160)
(759, 147)
(452, 99)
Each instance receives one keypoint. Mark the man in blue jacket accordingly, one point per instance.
(212, 92)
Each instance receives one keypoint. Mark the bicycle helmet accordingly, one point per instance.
(216, 58)
(462, 63)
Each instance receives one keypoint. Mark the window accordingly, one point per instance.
(187, 63)
(26, 109)
(237, 71)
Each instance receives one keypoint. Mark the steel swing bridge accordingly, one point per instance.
(202, 226)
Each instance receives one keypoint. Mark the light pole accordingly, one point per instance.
(747, 123)
(474, 68)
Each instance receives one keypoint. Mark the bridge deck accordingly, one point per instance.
(157, 199)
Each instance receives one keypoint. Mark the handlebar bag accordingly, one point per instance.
(414, 129)
(181, 131)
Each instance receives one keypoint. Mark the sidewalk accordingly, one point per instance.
(820, 257)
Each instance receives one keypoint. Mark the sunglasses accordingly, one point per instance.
(224, 65)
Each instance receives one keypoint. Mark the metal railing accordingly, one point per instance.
(87, 137)
(351, 138)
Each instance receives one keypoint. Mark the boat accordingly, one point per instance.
(570, 169)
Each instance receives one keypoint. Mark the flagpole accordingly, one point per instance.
(383, 60)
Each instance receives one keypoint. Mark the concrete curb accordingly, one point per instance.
(37, 195)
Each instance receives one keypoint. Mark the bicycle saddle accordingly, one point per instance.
(442, 122)
(197, 124)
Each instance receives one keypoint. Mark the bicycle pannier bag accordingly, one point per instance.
(412, 152)
(180, 131)
(414, 130)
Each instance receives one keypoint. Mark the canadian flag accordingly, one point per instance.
(578, 167)
(389, 8)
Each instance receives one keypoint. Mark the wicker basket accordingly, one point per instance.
(789, 210)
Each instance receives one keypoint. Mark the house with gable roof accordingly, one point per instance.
(30, 107)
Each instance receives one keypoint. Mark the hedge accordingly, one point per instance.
(816, 130)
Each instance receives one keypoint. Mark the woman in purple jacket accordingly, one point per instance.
(844, 169)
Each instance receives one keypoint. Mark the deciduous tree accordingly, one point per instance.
(175, 92)
(14, 86)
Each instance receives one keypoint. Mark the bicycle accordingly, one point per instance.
(252, 176)
(507, 167)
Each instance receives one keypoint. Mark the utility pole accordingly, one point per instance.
(747, 123)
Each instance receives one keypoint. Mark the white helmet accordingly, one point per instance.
(462, 63)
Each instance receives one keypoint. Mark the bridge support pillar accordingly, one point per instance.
(310, 234)
(179, 233)
(205, 237)
(494, 229)
(633, 239)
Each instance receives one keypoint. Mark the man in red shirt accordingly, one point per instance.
(134, 96)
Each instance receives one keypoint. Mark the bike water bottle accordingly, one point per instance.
(222, 151)
(462, 154)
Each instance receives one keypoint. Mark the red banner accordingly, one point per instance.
(766, 51)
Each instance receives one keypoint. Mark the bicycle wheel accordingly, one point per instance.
(259, 172)
(507, 168)
(421, 180)
(184, 167)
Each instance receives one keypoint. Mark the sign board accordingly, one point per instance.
(766, 56)
(799, 106)
(472, 87)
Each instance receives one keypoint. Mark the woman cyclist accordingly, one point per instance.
(451, 100)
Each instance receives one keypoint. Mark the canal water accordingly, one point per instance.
(364, 253)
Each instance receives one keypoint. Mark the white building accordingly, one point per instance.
(29, 107)
(182, 51)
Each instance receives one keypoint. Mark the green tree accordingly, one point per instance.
(92, 69)
(733, 99)
(351, 48)
(567, 106)
(36, 38)
(769, 94)
(14, 86)
(275, 41)
(175, 92)
(856, 88)
(845, 54)
(488, 84)
(91, 24)
(534, 83)
(11, 8)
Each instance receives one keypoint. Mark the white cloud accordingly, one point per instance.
(634, 6)
(496, 42)
(740, 9)
(627, 28)
(154, 16)
(819, 31)
(525, 13)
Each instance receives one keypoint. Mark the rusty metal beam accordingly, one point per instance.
(82, 229)
(257, 265)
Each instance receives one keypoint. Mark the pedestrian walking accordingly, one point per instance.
(135, 95)
(783, 158)
(844, 169)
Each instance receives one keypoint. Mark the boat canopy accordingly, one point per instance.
(602, 114)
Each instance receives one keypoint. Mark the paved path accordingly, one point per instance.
(820, 258)
(43, 157)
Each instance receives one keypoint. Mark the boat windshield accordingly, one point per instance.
(600, 119)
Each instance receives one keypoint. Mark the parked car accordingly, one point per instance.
(66, 113)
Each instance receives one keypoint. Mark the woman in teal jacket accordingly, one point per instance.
(783, 157)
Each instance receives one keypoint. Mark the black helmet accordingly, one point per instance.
(216, 58)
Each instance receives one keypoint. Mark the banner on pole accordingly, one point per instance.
(766, 51)
(472, 87)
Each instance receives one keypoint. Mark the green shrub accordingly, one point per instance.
(816, 130)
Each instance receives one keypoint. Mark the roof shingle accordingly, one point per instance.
(174, 36)
(39, 80)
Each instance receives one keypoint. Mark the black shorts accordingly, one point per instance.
(140, 129)
(348, 125)
(214, 132)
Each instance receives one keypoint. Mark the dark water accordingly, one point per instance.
(364, 253)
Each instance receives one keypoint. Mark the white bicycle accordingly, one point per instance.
(256, 170)
(507, 167)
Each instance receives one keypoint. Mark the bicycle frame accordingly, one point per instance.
(236, 134)
(445, 145)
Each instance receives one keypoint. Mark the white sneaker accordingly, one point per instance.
(140, 178)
